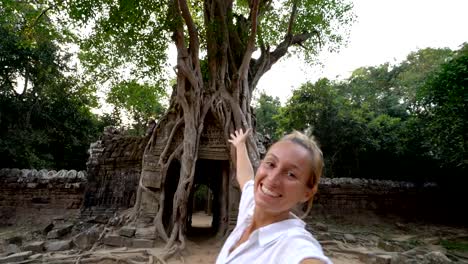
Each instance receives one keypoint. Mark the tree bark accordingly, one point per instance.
(226, 94)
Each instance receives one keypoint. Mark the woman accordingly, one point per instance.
(267, 231)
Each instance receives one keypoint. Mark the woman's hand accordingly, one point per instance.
(244, 168)
(239, 137)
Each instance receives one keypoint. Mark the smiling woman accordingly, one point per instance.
(267, 231)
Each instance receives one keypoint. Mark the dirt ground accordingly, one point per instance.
(372, 234)
(348, 240)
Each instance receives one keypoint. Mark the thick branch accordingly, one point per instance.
(292, 18)
(267, 59)
(194, 41)
(251, 44)
(169, 140)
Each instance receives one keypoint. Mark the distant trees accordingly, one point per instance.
(401, 122)
(45, 117)
(444, 110)
(141, 101)
(265, 110)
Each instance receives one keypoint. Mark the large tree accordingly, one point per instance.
(45, 117)
(216, 71)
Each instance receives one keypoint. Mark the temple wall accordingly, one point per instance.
(346, 197)
(39, 196)
(114, 168)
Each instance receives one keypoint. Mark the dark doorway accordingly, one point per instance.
(170, 188)
(204, 205)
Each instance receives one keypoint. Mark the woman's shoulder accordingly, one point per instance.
(301, 237)
(300, 244)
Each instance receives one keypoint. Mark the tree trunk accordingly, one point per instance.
(226, 94)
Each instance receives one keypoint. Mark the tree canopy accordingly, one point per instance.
(401, 122)
(45, 118)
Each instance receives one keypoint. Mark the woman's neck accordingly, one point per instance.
(262, 218)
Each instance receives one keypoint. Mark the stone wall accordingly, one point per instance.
(114, 168)
(33, 196)
(346, 197)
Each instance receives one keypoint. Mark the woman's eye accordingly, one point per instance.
(292, 175)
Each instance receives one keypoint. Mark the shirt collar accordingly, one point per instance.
(273, 231)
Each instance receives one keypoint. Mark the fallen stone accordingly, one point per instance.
(16, 257)
(350, 238)
(99, 219)
(145, 232)
(127, 231)
(37, 246)
(142, 243)
(383, 259)
(86, 239)
(60, 231)
(11, 249)
(48, 228)
(436, 257)
(320, 227)
(17, 240)
(60, 245)
(388, 246)
(116, 241)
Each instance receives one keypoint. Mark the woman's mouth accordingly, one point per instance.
(269, 192)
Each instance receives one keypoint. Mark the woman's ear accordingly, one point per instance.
(310, 192)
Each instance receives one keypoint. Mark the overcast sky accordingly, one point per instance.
(385, 31)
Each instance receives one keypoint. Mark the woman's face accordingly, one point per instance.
(281, 180)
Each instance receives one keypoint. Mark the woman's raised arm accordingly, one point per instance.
(244, 169)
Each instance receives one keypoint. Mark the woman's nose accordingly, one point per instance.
(274, 176)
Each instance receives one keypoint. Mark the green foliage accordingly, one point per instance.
(141, 101)
(444, 98)
(400, 122)
(266, 109)
(460, 246)
(46, 121)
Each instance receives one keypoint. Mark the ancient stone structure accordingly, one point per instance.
(31, 196)
(114, 168)
(213, 169)
(347, 197)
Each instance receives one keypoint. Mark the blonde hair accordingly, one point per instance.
(311, 145)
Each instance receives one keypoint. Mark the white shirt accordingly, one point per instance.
(286, 241)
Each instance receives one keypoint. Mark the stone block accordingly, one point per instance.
(11, 248)
(36, 247)
(60, 231)
(99, 219)
(60, 245)
(116, 241)
(350, 238)
(151, 179)
(16, 257)
(388, 246)
(87, 238)
(127, 231)
(142, 243)
(145, 232)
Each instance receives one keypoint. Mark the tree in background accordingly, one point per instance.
(444, 102)
(141, 101)
(45, 118)
(373, 125)
(216, 74)
(266, 109)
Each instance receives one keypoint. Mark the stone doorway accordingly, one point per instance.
(170, 187)
(205, 200)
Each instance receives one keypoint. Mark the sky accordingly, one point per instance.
(385, 31)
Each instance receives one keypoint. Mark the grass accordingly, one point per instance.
(461, 246)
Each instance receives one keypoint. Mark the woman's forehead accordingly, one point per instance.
(289, 152)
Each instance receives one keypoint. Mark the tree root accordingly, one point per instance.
(115, 256)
